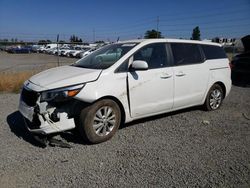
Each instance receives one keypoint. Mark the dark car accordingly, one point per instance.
(19, 50)
(241, 64)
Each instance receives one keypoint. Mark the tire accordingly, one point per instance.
(96, 127)
(214, 98)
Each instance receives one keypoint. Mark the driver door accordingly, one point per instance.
(151, 91)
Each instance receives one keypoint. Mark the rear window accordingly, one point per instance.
(213, 52)
(185, 54)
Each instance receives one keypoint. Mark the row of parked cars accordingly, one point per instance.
(66, 50)
(77, 51)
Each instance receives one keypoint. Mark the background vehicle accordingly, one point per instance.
(85, 53)
(241, 64)
(20, 49)
(46, 48)
(123, 82)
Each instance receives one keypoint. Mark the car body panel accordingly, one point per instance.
(64, 76)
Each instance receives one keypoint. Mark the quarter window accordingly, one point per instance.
(154, 54)
(213, 52)
(184, 53)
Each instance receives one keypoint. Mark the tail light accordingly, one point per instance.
(231, 65)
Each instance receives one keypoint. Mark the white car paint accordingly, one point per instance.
(141, 93)
(56, 77)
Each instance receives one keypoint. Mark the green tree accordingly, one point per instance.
(150, 34)
(74, 38)
(196, 35)
(42, 42)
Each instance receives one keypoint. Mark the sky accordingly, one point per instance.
(33, 20)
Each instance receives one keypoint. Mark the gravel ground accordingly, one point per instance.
(30, 62)
(183, 149)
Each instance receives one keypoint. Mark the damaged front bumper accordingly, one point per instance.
(44, 118)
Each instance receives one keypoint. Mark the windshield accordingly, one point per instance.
(105, 57)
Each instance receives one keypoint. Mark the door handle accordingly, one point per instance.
(180, 74)
(166, 75)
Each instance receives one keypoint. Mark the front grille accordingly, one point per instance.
(29, 97)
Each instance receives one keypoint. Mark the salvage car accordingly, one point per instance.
(141, 78)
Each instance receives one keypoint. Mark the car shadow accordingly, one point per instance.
(17, 126)
(155, 117)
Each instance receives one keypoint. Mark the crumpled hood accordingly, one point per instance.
(64, 76)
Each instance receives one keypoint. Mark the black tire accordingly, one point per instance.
(215, 104)
(86, 121)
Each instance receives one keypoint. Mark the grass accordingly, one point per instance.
(12, 82)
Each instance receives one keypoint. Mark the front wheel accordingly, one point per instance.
(99, 121)
(214, 98)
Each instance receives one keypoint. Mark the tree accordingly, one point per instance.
(196, 35)
(62, 42)
(99, 42)
(152, 34)
(74, 38)
(42, 42)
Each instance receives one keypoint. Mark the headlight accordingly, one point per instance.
(61, 94)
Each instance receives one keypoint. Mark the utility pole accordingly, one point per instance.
(57, 40)
(157, 26)
(94, 35)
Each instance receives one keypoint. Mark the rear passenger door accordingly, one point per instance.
(190, 74)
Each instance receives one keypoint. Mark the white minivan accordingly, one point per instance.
(125, 81)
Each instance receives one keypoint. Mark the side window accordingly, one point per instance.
(123, 67)
(185, 53)
(213, 52)
(154, 54)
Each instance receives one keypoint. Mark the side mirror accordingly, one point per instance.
(139, 65)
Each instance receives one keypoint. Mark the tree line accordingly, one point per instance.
(149, 34)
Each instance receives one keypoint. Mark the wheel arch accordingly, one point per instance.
(223, 87)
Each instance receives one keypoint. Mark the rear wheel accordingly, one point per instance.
(214, 98)
(99, 121)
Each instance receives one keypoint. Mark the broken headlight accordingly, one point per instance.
(61, 94)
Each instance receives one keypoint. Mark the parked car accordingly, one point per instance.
(47, 48)
(145, 78)
(20, 49)
(241, 64)
(85, 53)
(50, 50)
(60, 51)
(71, 50)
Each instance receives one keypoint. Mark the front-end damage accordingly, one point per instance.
(46, 117)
